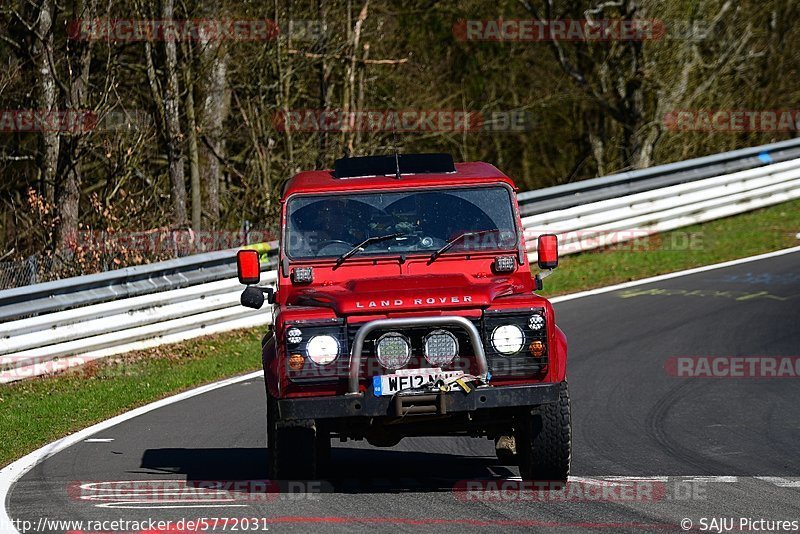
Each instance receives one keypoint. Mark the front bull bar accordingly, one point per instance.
(381, 324)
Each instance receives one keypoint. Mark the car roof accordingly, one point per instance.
(470, 173)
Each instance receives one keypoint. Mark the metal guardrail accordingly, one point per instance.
(121, 283)
(55, 325)
(627, 183)
(637, 216)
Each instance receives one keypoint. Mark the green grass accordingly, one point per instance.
(37, 411)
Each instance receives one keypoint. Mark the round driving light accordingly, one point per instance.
(507, 339)
(440, 347)
(536, 322)
(393, 350)
(296, 362)
(294, 335)
(322, 349)
(537, 349)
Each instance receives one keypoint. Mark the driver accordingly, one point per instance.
(337, 221)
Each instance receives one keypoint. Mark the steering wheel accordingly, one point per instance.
(334, 247)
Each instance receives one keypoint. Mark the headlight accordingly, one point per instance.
(536, 322)
(393, 350)
(322, 349)
(440, 347)
(294, 335)
(507, 339)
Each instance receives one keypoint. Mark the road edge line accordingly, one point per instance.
(17, 469)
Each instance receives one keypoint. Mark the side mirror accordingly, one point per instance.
(548, 251)
(248, 267)
(253, 297)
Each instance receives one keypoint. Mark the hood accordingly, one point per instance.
(406, 293)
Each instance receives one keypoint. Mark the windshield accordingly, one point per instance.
(328, 226)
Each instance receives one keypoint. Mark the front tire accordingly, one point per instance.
(544, 440)
(293, 445)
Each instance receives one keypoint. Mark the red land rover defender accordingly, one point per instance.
(405, 306)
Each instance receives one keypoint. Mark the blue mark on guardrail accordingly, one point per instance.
(765, 157)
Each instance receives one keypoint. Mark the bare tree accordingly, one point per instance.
(46, 95)
(351, 95)
(194, 158)
(68, 189)
(611, 74)
(633, 84)
(214, 57)
(324, 79)
(174, 135)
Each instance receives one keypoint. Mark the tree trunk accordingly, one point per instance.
(350, 95)
(46, 97)
(173, 128)
(285, 77)
(321, 49)
(194, 162)
(215, 110)
(68, 192)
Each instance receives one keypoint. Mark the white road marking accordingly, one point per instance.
(604, 480)
(14, 471)
(98, 440)
(719, 479)
(782, 482)
(714, 479)
(170, 494)
(131, 505)
(636, 479)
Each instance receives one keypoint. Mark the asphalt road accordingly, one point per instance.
(726, 448)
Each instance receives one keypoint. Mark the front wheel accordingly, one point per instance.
(293, 446)
(544, 440)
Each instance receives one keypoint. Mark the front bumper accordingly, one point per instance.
(367, 405)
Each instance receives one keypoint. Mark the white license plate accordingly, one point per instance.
(409, 379)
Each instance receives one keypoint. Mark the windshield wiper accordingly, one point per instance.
(368, 241)
(450, 244)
